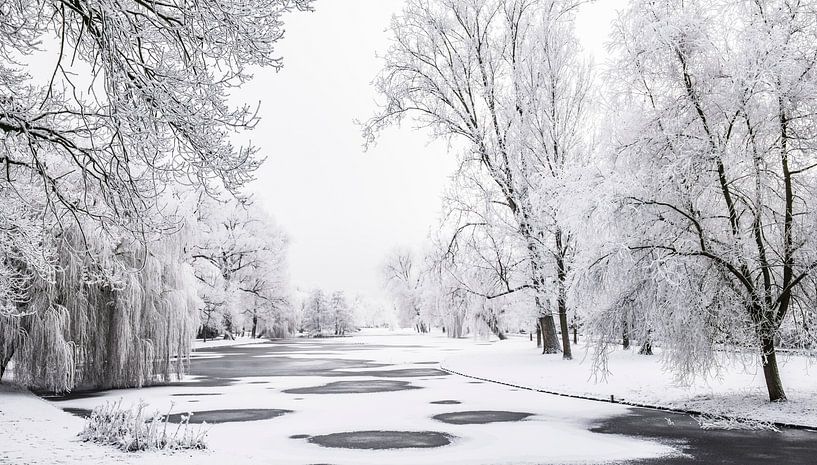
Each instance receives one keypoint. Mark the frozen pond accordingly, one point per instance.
(382, 400)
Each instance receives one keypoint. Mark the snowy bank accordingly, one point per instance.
(35, 431)
(737, 391)
(220, 342)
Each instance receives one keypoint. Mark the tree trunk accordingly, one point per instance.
(646, 347)
(567, 352)
(254, 325)
(773, 383)
(206, 325)
(561, 276)
(538, 335)
(550, 342)
(493, 325)
(575, 334)
(5, 361)
(625, 336)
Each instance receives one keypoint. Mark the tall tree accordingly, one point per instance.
(316, 318)
(118, 328)
(403, 277)
(478, 252)
(713, 176)
(502, 77)
(240, 258)
(341, 314)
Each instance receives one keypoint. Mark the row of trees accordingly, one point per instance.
(239, 261)
(115, 132)
(327, 315)
(667, 199)
(430, 290)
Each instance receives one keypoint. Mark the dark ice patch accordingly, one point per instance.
(480, 417)
(399, 373)
(299, 436)
(445, 402)
(354, 387)
(379, 440)
(71, 395)
(209, 416)
(80, 412)
(204, 381)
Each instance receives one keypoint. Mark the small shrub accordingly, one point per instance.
(130, 429)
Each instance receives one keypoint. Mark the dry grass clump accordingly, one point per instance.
(131, 429)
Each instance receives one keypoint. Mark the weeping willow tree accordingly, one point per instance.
(96, 141)
(115, 314)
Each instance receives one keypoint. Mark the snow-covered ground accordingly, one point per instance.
(35, 431)
(738, 390)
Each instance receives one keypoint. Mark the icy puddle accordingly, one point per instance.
(378, 440)
(480, 417)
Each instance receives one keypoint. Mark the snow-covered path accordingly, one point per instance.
(391, 383)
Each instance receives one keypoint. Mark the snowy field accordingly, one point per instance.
(738, 390)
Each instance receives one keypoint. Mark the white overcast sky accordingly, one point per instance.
(342, 208)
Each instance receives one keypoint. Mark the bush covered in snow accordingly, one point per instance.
(131, 429)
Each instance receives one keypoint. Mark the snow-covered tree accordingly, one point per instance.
(107, 107)
(711, 180)
(240, 260)
(103, 329)
(316, 317)
(403, 276)
(341, 316)
(134, 96)
(477, 257)
(504, 78)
